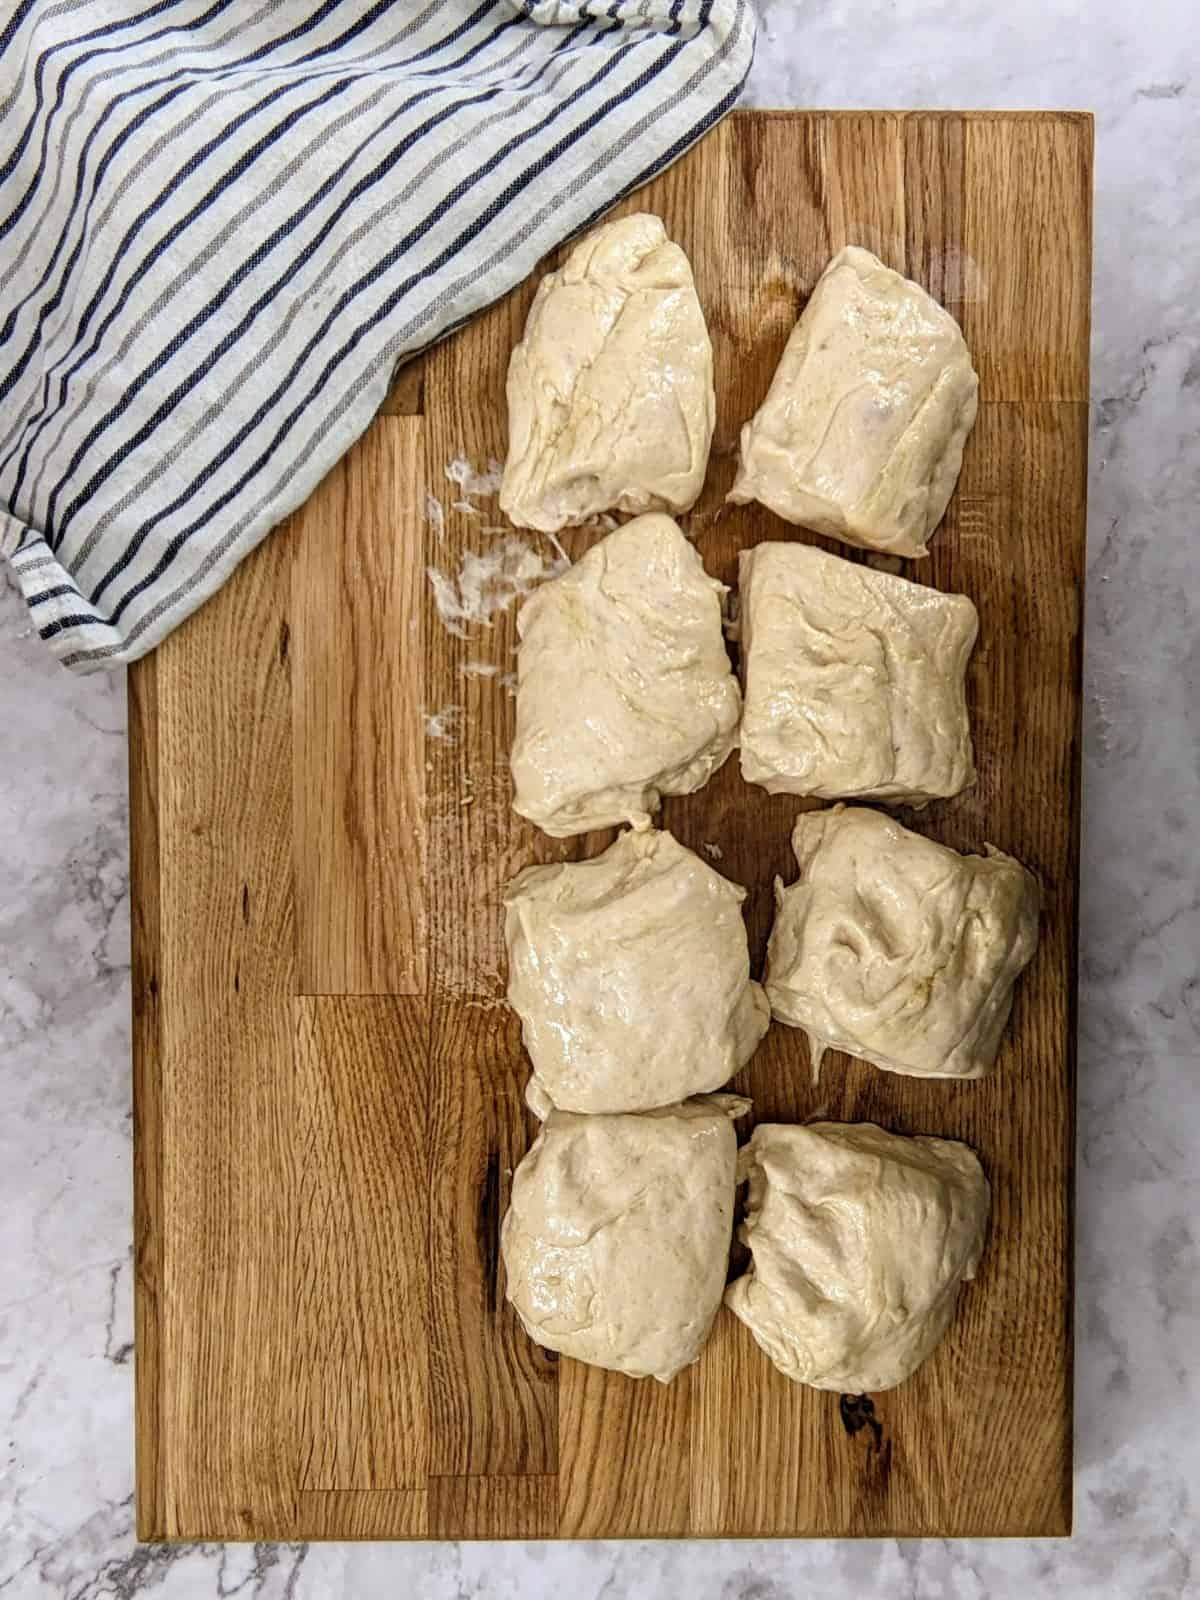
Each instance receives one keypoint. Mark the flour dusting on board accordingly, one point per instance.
(556, 545)
(442, 724)
(462, 472)
(435, 516)
(471, 486)
(488, 582)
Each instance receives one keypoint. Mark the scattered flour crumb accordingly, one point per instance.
(435, 516)
(442, 724)
(556, 546)
(467, 507)
(551, 539)
(478, 669)
(509, 682)
(713, 851)
(461, 472)
(488, 582)
(694, 523)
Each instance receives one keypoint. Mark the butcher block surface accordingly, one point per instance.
(328, 1084)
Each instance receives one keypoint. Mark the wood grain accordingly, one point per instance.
(358, 685)
(604, 1419)
(328, 1083)
(493, 1399)
(225, 1089)
(1029, 326)
(493, 1507)
(406, 397)
(148, 1121)
(361, 1514)
(362, 1278)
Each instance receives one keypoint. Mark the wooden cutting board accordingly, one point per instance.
(328, 1082)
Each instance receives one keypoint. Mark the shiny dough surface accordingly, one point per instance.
(625, 691)
(853, 680)
(896, 949)
(631, 976)
(860, 1240)
(616, 1241)
(610, 391)
(862, 431)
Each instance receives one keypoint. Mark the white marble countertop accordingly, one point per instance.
(66, 1445)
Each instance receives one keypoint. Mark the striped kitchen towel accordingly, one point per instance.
(224, 222)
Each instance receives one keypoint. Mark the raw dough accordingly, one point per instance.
(896, 949)
(610, 392)
(631, 976)
(861, 434)
(616, 1242)
(852, 679)
(625, 692)
(860, 1240)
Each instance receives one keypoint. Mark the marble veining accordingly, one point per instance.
(66, 1454)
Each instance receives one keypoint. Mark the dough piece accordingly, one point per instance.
(852, 679)
(625, 692)
(861, 434)
(616, 1243)
(860, 1240)
(896, 949)
(610, 392)
(631, 976)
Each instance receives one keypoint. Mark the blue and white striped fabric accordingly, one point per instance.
(224, 222)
